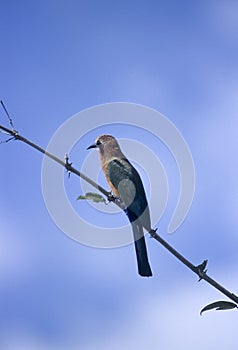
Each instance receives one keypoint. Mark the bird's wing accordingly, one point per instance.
(120, 175)
(127, 181)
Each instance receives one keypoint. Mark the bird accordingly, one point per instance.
(126, 185)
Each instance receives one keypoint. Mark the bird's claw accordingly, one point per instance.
(117, 200)
(110, 197)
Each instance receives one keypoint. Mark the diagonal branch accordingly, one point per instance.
(200, 270)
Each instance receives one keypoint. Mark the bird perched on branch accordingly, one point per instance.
(126, 184)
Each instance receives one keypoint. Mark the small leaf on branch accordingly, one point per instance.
(91, 196)
(219, 305)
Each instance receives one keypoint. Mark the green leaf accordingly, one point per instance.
(91, 196)
(219, 305)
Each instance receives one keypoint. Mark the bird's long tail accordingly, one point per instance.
(141, 252)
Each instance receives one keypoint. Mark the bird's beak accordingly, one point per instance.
(92, 146)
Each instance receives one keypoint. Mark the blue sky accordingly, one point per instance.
(59, 58)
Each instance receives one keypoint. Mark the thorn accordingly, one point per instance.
(67, 164)
(153, 232)
(201, 269)
(9, 139)
(201, 277)
(202, 266)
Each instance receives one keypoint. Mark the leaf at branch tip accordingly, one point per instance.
(219, 305)
(91, 196)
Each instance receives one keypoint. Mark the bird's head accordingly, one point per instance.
(104, 141)
(108, 148)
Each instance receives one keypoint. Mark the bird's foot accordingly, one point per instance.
(117, 200)
(110, 197)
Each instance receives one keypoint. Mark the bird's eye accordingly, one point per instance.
(98, 143)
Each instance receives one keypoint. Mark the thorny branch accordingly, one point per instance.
(200, 270)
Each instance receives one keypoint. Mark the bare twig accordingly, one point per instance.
(199, 270)
(8, 115)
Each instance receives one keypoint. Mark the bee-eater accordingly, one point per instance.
(126, 184)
